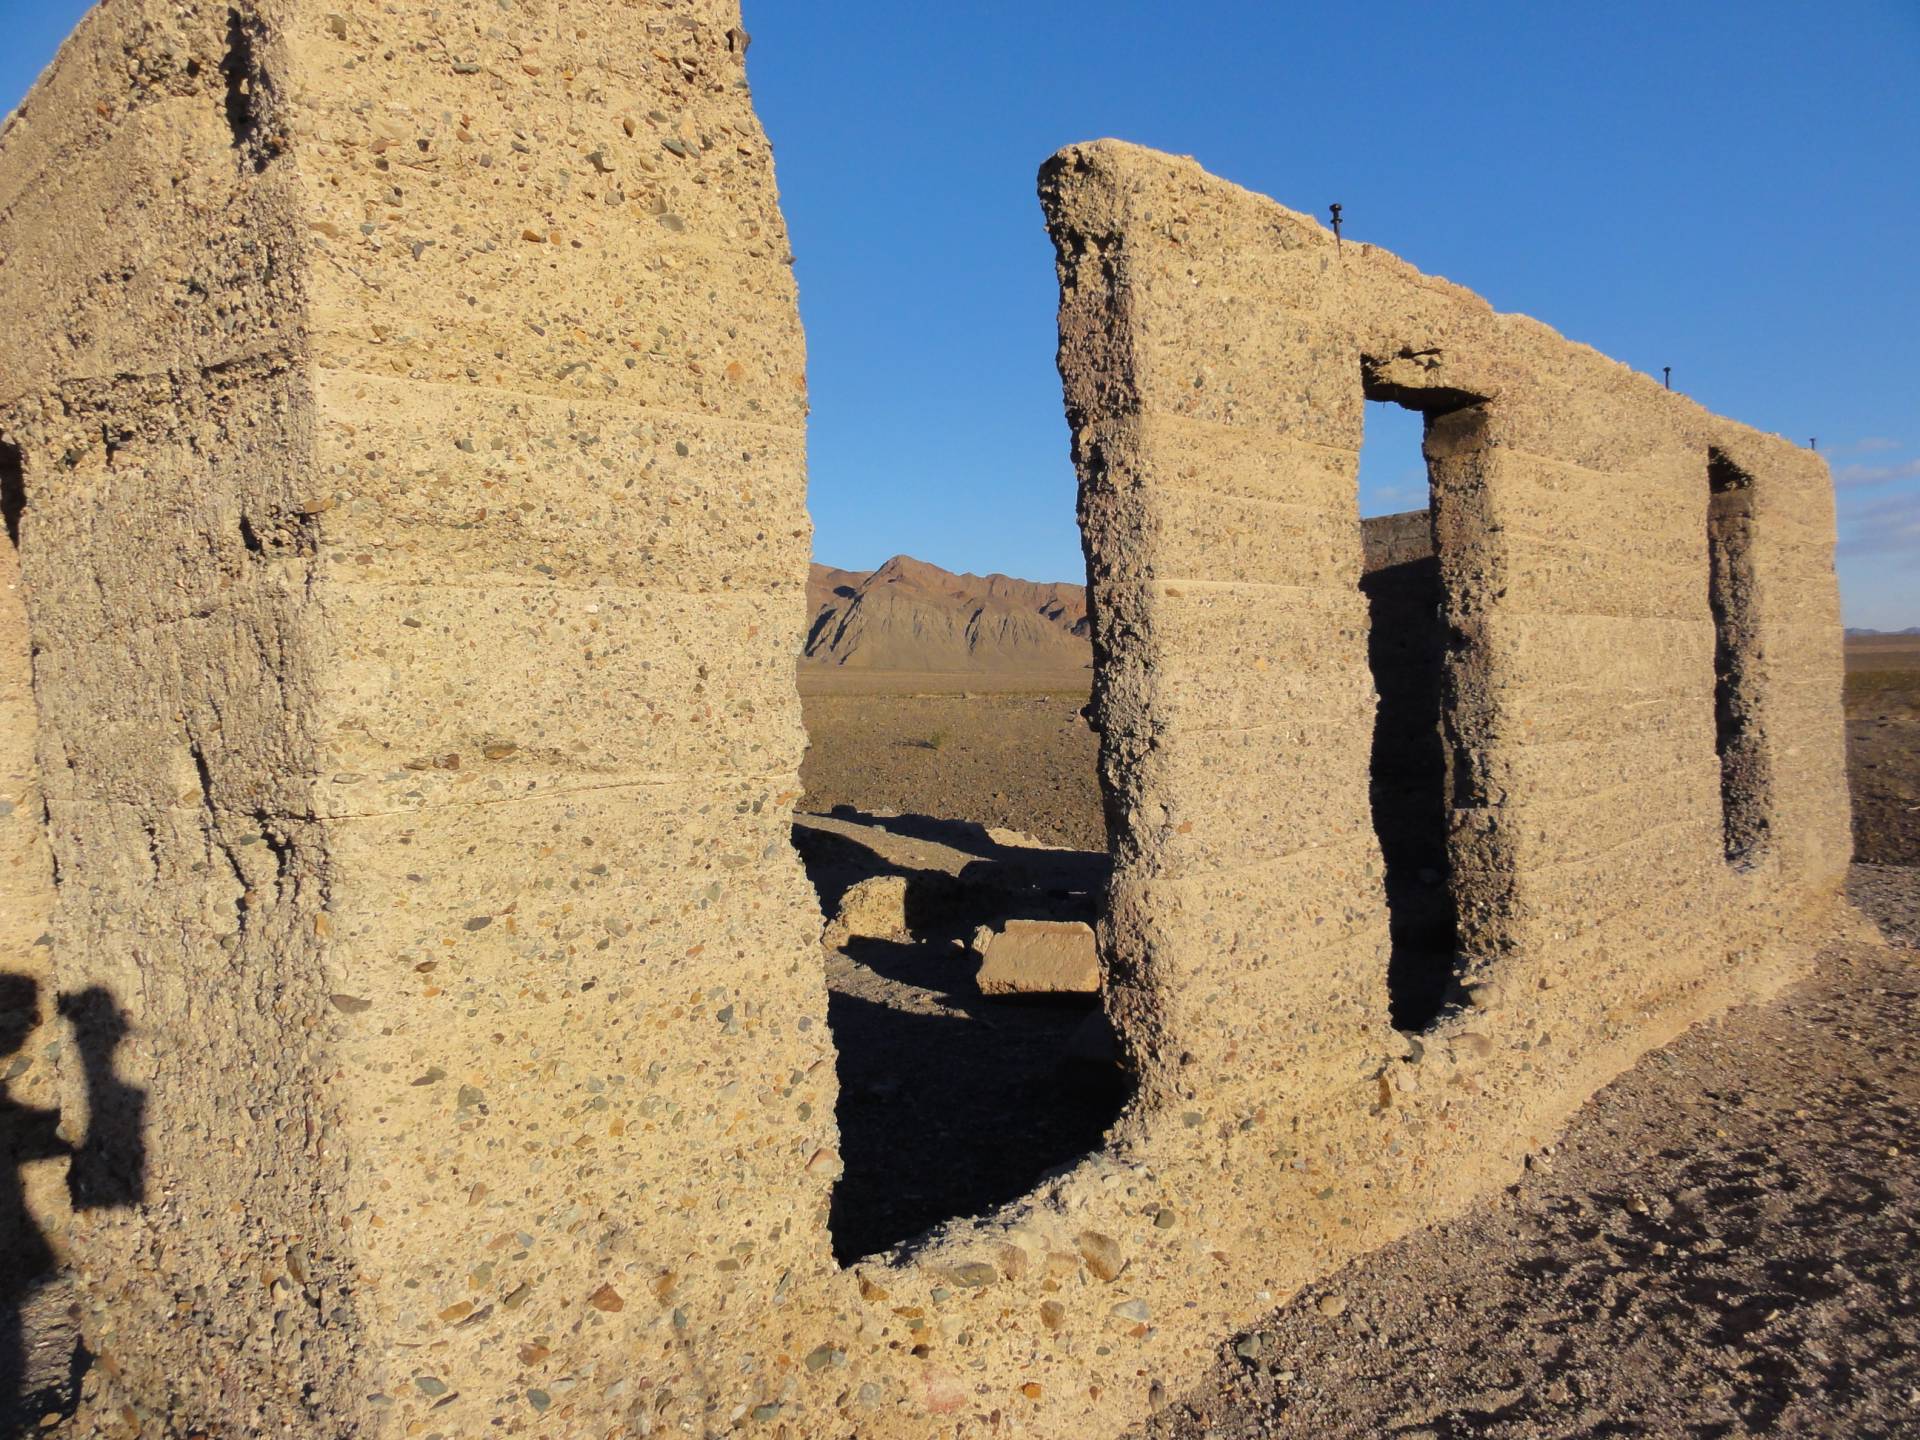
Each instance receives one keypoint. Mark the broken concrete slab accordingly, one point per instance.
(874, 907)
(1038, 957)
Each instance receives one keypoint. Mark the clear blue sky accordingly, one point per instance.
(1732, 189)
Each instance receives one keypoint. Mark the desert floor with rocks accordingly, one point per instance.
(1883, 747)
(1006, 750)
(1725, 1242)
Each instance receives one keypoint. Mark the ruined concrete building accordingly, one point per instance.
(440, 999)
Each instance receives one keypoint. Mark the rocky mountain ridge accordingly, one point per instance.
(910, 615)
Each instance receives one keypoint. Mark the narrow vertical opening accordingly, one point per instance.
(1406, 652)
(13, 490)
(1745, 799)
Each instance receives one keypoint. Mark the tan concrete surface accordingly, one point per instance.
(421, 354)
(1037, 957)
(35, 1209)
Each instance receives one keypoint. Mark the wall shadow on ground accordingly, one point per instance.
(943, 1116)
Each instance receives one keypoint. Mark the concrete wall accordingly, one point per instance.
(397, 388)
(152, 317)
(1216, 351)
(447, 1026)
(33, 1196)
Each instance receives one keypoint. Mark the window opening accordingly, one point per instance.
(1407, 652)
(950, 795)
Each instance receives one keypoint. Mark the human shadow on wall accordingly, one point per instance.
(107, 1171)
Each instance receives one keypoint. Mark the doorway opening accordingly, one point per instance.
(952, 828)
(1407, 642)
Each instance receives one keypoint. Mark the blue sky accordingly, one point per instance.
(1729, 189)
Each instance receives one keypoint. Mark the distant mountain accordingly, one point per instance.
(1863, 633)
(909, 615)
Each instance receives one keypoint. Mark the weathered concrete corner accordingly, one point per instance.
(378, 374)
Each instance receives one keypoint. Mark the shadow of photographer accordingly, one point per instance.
(107, 1170)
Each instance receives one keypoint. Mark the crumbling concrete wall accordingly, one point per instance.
(1216, 351)
(449, 1048)
(411, 403)
(150, 312)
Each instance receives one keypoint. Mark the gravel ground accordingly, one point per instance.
(1724, 1243)
(1883, 748)
(1024, 762)
(1890, 896)
(1883, 766)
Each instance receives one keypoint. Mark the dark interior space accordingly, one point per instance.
(1407, 645)
(1406, 651)
(13, 490)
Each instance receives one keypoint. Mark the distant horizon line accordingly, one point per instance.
(1081, 584)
